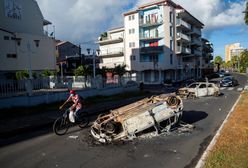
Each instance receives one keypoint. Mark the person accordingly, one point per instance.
(75, 108)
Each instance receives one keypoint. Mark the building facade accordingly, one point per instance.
(231, 50)
(111, 45)
(162, 41)
(24, 43)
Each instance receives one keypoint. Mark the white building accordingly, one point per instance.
(112, 48)
(162, 41)
(24, 43)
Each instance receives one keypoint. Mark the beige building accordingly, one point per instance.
(112, 48)
(232, 50)
(24, 43)
(162, 41)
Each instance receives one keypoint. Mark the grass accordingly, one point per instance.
(231, 148)
(24, 111)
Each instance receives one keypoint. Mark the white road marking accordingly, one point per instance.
(222, 88)
(231, 88)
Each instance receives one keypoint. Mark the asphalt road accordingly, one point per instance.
(44, 149)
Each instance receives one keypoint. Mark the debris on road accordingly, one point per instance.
(160, 112)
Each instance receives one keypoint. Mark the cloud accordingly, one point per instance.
(82, 20)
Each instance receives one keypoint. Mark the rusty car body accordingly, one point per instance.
(160, 112)
(199, 89)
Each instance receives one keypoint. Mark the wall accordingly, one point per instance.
(41, 57)
(30, 21)
(52, 97)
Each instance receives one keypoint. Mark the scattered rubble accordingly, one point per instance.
(126, 123)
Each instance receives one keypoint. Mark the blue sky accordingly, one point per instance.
(81, 21)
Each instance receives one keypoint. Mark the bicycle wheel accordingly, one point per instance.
(60, 126)
(84, 120)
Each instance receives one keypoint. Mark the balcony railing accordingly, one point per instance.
(150, 36)
(184, 37)
(196, 31)
(196, 41)
(109, 40)
(111, 52)
(183, 24)
(183, 50)
(149, 23)
(197, 52)
(151, 50)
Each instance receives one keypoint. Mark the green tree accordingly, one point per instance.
(235, 62)
(83, 70)
(22, 74)
(218, 61)
(47, 73)
(246, 14)
(120, 70)
(244, 61)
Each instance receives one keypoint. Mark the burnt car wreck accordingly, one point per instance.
(160, 112)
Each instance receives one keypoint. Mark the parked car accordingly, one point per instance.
(228, 81)
(199, 89)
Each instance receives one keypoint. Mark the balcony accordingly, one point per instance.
(195, 31)
(196, 42)
(151, 50)
(150, 23)
(116, 52)
(183, 50)
(154, 36)
(109, 40)
(183, 37)
(183, 25)
(197, 52)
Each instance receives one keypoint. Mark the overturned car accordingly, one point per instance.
(199, 89)
(160, 112)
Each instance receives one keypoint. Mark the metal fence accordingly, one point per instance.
(10, 88)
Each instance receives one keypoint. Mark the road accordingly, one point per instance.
(174, 150)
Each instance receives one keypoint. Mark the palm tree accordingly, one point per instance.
(120, 70)
(246, 14)
(218, 61)
(83, 70)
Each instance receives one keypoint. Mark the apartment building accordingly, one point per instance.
(162, 41)
(231, 50)
(24, 43)
(111, 45)
(207, 57)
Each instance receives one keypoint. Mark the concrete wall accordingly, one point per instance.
(52, 97)
(29, 20)
(27, 53)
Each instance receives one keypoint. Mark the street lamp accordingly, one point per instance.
(94, 59)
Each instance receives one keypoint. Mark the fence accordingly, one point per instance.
(10, 88)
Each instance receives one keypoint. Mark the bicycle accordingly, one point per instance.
(62, 123)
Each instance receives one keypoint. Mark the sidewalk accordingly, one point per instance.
(38, 121)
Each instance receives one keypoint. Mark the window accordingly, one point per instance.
(171, 45)
(171, 31)
(131, 17)
(132, 44)
(171, 59)
(203, 86)
(132, 58)
(171, 17)
(11, 56)
(131, 31)
(6, 37)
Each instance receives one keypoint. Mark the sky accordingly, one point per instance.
(82, 21)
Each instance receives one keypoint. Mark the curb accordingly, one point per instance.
(203, 158)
